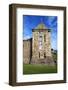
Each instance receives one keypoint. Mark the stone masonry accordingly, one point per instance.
(38, 50)
(41, 45)
(27, 51)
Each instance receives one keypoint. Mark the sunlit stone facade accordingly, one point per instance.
(40, 46)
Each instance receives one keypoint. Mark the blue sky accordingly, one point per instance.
(30, 22)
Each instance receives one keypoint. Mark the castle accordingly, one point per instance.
(37, 50)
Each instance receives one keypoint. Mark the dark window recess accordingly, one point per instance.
(40, 36)
(39, 54)
(44, 38)
(44, 55)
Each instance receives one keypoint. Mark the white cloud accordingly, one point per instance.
(26, 37)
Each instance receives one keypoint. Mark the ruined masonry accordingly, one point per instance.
(38, 49)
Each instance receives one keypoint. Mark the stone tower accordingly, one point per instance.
(41, 45)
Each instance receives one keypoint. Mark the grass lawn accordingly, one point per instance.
(38, 69)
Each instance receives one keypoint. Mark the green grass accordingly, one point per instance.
(38, 69)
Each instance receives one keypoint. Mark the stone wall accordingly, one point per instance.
(31, 52)
(44, 55)
(27, 51)
(46, 44)
(35, 53)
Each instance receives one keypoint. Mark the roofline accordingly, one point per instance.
(49, 30)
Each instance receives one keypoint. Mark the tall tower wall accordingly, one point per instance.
(35, 53)
(43, 54)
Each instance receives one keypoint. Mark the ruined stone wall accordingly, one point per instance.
(27, 51)
(41, 51)
(31, 51)
(44, 55)
(47, 44)
(35, 53)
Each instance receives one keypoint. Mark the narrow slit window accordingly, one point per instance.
(44, 55)
(39, 54)
(44, 38)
